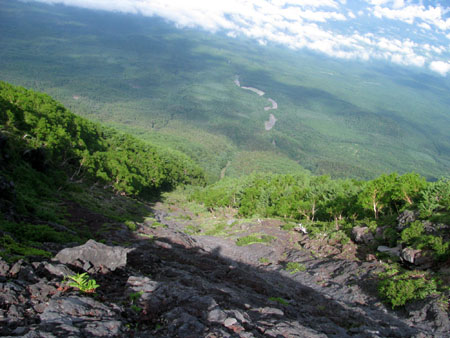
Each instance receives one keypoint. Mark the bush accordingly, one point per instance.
(294, 267)
(398, 289)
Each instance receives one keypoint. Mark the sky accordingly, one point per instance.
(412, 33)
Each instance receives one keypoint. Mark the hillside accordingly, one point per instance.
(177, 87)
(92, 245)
(50, 156)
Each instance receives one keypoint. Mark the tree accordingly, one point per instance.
(376, 194)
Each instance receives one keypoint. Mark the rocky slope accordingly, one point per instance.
(162, 282)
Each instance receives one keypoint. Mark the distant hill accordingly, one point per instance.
(177, 87)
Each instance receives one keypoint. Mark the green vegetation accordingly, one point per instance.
(174, 88)
(51, 160)
(397, 288)
(333, 207)
(279, 300)
(83, 283)
(253, 239)
(264, 260)
(294, 267)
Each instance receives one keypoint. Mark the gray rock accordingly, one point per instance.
(87, 315)
(405, 218)
(391, 251)
(229, 322)
(143, 284)
(59, 270)
(430, 309)
(182, 324)
(409, 254)
(41, 291)
(230, 221)
(94, 256)
(15, 269)
(216, 315)
(362, 235)
(4, 268)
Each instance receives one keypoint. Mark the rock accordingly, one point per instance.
(300, 228)
(229, 322)
(216, 316)
(371, 257)
(41, 291)
(409, 254)
(391, 251)
(15, 269)
(4, 268)
(59, 270)
(230, 221)
(182, 324)
(362, 235)
(85, 315)
(430, 309)
(93, 256)
(405, 218)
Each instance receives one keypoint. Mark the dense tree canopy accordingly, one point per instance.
(38, 125)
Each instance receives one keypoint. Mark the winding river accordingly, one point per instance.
(268, 125)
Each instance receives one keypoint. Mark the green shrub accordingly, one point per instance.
(131, 225)
(83, 283)
(412, 233)
(294, 267)
(398, 289)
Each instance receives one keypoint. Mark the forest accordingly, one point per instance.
(175, 88)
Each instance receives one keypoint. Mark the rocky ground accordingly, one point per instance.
(168, 280)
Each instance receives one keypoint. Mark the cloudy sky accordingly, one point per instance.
(413, 33)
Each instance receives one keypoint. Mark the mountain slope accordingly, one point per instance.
(51, 159)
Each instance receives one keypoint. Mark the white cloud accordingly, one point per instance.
(302, 24)
(424, 25)
(410, 14)
(440, 67)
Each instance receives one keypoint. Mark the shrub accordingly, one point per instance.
(294, 267)
(83, 283)
(398, 289)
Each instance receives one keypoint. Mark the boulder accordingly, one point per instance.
(4, 268)
(362, 235)
(409, 254)
(405, 218)
(391, 251)
(94, 256)
(80, 316)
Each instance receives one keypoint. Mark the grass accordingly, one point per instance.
(253, 239)
(279, 300)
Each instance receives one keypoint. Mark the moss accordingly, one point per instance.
(12, 251)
